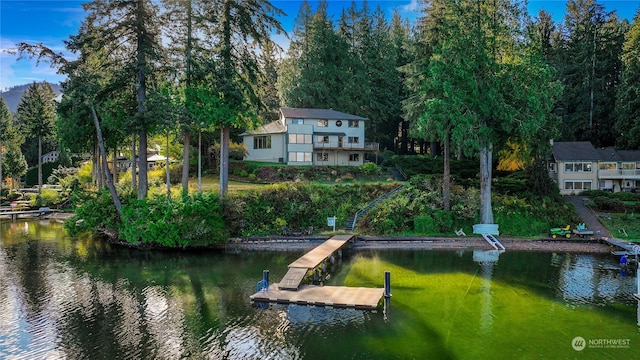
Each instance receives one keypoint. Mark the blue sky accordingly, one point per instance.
(52, 21)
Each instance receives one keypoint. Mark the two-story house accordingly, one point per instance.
(577, 166)
(310, 137)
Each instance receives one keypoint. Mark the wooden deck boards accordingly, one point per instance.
(336, 296)
(317, 255)
(622, 244)
(293, 278)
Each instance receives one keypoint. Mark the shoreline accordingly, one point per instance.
(424, 243)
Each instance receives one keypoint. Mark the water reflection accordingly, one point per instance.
(80, 299)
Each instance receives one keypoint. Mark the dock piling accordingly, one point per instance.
(265, 275)
(387, 284)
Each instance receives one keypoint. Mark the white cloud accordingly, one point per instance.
(412, 6)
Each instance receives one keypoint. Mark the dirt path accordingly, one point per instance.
(588, 217)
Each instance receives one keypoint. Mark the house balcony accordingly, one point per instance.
(337, 145)
(619, 174)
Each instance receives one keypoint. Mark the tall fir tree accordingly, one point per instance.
(37, 113)
(590, 72)
(628, 97)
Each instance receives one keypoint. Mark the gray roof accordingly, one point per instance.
(574, 150)
(325, 114)
(274, 127)
(585, 151)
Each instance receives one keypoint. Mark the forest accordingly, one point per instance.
(466, 79)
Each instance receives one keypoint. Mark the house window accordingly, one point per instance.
(323, 123)
(608, 166)
(299, 156)
(300, 138)
(353, 140)
(354, 123)
(323, 138)
(354, 157)
(297, 121)
(322, 156)
(577, 185)
(628, 166)
(577, 167)
(262, 142)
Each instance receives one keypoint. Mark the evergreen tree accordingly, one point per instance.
(14, 163)
(313, 74)
(37, 113)
(126, 34)
(238, 30)
(628, 100)
(484, 83)
(7, 134)
(590, 71)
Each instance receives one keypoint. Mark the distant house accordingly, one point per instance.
(578, 166)
(51, 156)
(310, 137)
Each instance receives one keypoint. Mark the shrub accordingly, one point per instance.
(189, 221)
(607, 203)
(244, 173)
(368, 168)
(252, 177)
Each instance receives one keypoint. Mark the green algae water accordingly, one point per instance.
(81, 299)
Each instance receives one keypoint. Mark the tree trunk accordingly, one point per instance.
(39, 164)
(134, 172)
(143, 187)
(166, 165)
(446, 181)
(103, 155)
(486, 212)
(186, 136)
(224, 160)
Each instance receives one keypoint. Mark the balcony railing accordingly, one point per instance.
(618, 174)
(337, 145)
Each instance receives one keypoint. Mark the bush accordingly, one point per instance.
(368, 168)
(607, 203)
(189, 221)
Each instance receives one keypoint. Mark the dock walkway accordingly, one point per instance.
(311, 260)
(627, 246)
(289, 290)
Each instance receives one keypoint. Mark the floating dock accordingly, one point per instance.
(334, 296)
(14, 214)
(289, 290)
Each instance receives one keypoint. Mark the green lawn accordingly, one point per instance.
(623, 226)
(212, 184)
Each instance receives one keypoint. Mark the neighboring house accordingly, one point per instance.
(51, 156)
(578, 166)
(310, 137)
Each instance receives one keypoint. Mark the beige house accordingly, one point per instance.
(310, 137)
(578, 166)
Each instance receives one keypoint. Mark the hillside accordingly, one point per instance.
(13, 95)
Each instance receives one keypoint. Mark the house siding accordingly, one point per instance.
(342, 143)
(620, 168)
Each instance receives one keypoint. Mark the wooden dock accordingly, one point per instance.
(334, 296)
(289, 290)
(629, 247)
(14, 214)
(311, 260)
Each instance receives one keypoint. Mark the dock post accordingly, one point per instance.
(265, 275)
(387, 284)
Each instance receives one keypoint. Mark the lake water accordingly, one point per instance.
(81, 299)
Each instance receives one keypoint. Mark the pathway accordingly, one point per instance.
(589, 218)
